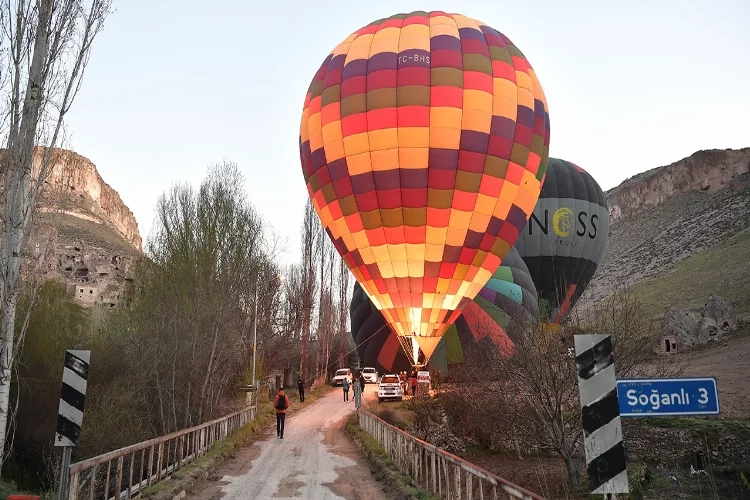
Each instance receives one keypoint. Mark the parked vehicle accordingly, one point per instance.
(390, 388)
(341, 374)
(370, 374)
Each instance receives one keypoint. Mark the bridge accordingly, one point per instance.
(304, 465)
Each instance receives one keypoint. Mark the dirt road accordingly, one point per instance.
(315, 460)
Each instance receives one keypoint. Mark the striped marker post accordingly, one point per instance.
(70, 412)
(600, 415)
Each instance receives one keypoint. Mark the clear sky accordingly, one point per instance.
(176, 85)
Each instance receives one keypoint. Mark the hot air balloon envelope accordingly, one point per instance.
(423, 142)
(566, 236)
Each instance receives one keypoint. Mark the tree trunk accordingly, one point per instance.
(209, 369)
(161, 400)
(516, 446)
(174, 391)
(188, 415)
(305, 340)
(573, 469)
(19, 158)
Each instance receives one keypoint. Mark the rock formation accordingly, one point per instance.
(82, 233)
(75, 187)
(683, 329)
(706, 171)
(667, 214)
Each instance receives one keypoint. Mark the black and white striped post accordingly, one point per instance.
(600, 415)
(70, 412)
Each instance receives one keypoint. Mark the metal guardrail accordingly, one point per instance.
(147, 463)
(440, 473)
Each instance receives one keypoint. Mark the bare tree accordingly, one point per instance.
(341, 342)
(321, 331)
(197, 297)
(530, 396)
(309, 235)
(45, 46)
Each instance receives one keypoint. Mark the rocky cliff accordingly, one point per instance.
(74, 187)
(662, 216)
(705, 171)
(82, 233)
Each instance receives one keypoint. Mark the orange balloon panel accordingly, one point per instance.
(424, 141)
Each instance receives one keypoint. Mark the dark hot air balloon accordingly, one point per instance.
(565, 237)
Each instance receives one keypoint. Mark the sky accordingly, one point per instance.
(174, 86)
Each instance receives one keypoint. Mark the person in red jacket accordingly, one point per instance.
(281, 403)
(414, 385)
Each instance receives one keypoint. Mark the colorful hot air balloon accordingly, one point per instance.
(488, 325)
(565, 238)
(424, 141)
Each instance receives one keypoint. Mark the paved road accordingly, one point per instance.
(314, 460)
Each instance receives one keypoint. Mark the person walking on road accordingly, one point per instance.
(357, 387)
(301, 389)
(413, 385)
(345, 385)
(281, 403)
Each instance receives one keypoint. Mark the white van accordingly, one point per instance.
(341, 374)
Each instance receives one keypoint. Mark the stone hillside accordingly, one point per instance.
(662, 216)
(82, 234)
(75, 187)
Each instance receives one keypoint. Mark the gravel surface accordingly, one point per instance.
(315, 460)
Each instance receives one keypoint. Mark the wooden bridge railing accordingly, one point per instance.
(124, 473)
(440, 473)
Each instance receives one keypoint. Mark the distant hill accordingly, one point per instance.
(679, 233)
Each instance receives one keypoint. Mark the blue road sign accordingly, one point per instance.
(662, 397)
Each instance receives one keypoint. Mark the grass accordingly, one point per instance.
(9, 487)
(395, 413)
(739, 427)
(678, 484)
(377, 454)
(722, 271)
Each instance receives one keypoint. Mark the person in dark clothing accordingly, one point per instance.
(301, 389)
(345, 385)
(362, 382)
(281, 403)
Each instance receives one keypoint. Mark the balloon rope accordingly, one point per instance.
(351, 351)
